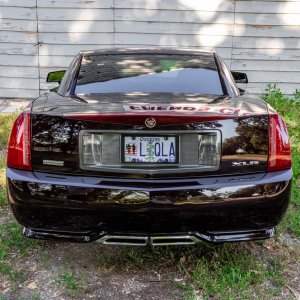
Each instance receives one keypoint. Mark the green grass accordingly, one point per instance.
(12, 243)
(73, 284)
(254, 270)
(226, 271)
(232, 272)
(6, 122)
(3, 200)
(289, 109)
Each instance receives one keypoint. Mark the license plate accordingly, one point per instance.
(150, 149)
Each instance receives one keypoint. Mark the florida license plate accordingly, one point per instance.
(150, 149)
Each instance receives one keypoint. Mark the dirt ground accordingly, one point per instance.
(59, 270)
(44, 276)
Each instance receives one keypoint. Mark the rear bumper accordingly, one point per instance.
(84, 209)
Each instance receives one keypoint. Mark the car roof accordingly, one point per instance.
(162, 50)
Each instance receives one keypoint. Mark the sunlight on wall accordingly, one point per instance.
(212, 5)
(84, 26)
(252, 36)
(288, 12)
(270, 48)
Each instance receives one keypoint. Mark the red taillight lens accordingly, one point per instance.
(18, 155)
(279, 145)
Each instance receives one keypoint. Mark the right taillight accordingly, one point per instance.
(279, 145)
(19, 152)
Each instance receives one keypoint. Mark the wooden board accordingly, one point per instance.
(266, 65)
(18, 25)
(18, 3)
(76, 26)
(172, 16)
(18, 93)
(73, 14)
(189, 5)
(75, 38)
(19, 72)
(18, 37)
(75, 3)
(260, 88)
(18, 60)
(174, 28)
(61, 49)
(18, 13)
(267, 31)
(268, 19)
(275, 55)
(19, 83)
(268, 7)
(172, 40)
(266, 43)
(18, 48)
(258, 37)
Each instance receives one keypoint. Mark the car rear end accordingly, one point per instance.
(152, 167)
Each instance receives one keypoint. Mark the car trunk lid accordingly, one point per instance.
(200, 124)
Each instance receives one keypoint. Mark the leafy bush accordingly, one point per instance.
(289, 109)
(6, 122)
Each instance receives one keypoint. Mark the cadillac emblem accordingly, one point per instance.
(150, 122)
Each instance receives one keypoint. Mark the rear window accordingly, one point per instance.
(148, 73)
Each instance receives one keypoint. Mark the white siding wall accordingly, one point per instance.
(19, 74)
(37, 36)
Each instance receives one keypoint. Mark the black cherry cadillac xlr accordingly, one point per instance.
(148, 146)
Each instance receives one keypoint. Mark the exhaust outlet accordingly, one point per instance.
(148, 240)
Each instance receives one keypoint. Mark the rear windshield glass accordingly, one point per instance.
(149, 74)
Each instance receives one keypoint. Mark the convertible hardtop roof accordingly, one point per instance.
(171, 51)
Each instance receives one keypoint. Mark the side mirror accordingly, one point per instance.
(239, 77)
(56, 76)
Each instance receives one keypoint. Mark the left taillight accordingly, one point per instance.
(19, 150)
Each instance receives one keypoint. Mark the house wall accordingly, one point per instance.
(261, 38)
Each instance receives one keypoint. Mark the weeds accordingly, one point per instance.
(13, 244)
(3, 200)
(230, 271)
(72, 283)
(6, 122)
(12, 241)
(289, 109)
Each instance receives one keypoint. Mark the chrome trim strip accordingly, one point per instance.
(122, 240)
(227, 236)
(154, 240)
(173, 240)
(30, 233)
(189, 239)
